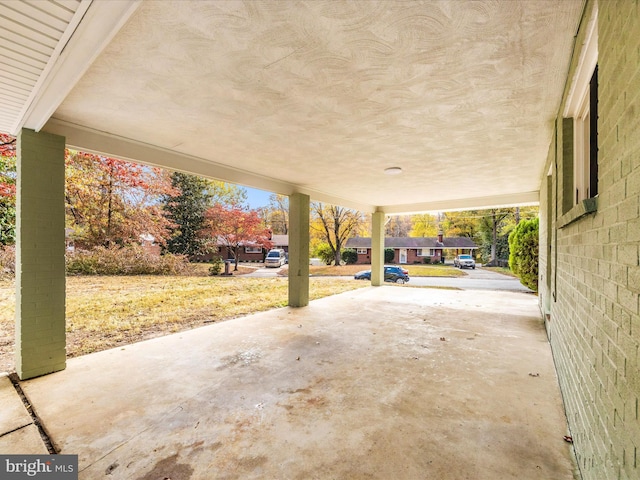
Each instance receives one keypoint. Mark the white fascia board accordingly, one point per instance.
(478, 203)
(587, 62)
(93, 26)
(102, 143)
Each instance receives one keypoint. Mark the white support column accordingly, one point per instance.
(377, 249)
(40, 266)
(299, 250)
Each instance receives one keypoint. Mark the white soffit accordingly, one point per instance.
(45, 47)
(322, 96)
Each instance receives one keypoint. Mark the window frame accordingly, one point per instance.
(582, 107)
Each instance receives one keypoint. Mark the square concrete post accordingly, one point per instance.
(377, 248)
(40, 265)
(298, 250)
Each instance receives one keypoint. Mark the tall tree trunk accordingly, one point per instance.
(109, 207)
(494, 239)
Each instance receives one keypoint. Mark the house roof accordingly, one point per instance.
(414, 242)
(280, 240)
(265, 94)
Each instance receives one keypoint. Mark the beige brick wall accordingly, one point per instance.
(594, 325)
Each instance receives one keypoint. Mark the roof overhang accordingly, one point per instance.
(315, 97)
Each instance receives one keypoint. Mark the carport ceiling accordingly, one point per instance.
(321, 96)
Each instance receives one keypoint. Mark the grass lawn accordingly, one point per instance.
(414, 270)
(108, 311)
(502, 270)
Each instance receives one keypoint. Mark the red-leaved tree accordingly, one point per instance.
(110, 201)
(7, 189)
(234, 228)
(7, 166)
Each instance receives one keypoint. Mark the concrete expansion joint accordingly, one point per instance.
(15, 381)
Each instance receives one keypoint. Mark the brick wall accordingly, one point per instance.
(589, 265)
(40, 270)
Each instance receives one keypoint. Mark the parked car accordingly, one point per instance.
(391, 274)
(464, 261)
(276, 257)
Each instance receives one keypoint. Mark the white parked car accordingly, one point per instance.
(276, 257)
(464, 261)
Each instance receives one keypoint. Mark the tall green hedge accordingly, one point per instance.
(523, 252)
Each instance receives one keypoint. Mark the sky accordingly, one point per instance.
(257, 198)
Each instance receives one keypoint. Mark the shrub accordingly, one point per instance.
(523, 256)
(389, 255)
(128, 260)
(7, 260)
(427, 260)
(349, 256)
(216, 265)
(323, 252)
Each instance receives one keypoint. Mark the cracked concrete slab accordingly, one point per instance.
(18, 434)
(13, 414)
(25, 441)
(381, 382)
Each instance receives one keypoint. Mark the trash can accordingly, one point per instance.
(227, 267)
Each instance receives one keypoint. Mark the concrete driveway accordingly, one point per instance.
(377, 383)
(478, 279)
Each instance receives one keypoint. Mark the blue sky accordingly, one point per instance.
(257, 198)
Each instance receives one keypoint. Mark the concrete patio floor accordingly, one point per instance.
(390, 382)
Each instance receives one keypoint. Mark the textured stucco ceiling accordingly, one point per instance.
(324, 95)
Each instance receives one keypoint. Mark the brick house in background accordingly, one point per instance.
(254, 252)
(408, 250)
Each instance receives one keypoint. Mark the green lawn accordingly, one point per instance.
(414, 270)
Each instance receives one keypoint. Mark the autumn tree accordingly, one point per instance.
(334, 225)
(278, 218)
(460, 224)
(490, 225)
(234, 227)
(226, 194)
(7, 189)
(398, 226)
(110, 201)
(186, 210)
(424, 225)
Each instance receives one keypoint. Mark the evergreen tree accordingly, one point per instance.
(523, 256)
(186, 211)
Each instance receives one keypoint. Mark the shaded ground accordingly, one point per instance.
(377, 383)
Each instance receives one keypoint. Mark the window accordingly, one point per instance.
(585, 143)
(426, 252)
(582, 107)
(361, 251)
(252, 249)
